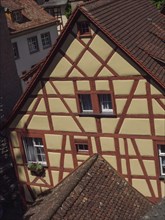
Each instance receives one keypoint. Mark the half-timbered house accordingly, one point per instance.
(100, 90)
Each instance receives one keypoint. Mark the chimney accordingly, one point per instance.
(10, 84)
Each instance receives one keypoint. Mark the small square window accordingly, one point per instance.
(15, 50)
(161, 148)
(84, 29)
(85, 102)
(105, 103)
(46, 41)
(34, 150)
(33, 44)
(81, 146)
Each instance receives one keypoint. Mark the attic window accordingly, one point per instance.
(83, 29)
(17, 16)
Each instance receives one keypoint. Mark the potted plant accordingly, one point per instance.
(36, 169)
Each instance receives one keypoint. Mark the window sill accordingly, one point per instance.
(162, 177)
(97, 115)
(85, 36)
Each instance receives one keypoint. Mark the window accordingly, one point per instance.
(46, 41)
(81, 146)
(83, 29)
(96, 104)
(15, 49)
(161, 148)
(17, 16)
(34, 150)
(85, 102)
(105, 103)
(33, 44)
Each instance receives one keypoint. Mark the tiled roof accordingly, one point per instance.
(137, 26)
(94, 191)
(157, 212)
(34, 15)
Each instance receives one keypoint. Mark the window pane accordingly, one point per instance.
(162, 148)
(29, 150)
(33, 44)
(82, 147)
(83, 27)
(46, 41)
(105, 102)
(85, 101)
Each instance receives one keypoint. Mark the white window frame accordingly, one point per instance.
(161, 157)
(46, 40)
(35, 147)
(85, 103)
(105, 100)
(33, 44)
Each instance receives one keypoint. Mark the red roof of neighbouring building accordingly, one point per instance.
(94, 191)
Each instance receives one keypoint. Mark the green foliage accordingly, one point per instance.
(68, 10)
(35, 167)
(158, 3)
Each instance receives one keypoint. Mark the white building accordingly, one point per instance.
(32, 30)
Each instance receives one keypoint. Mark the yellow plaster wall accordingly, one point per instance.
(56, 105)
(49, 88)
(141, 87)
(159, 126)
(124, 166)
(131, 150)
(141, 186)
(154, 90)
(88, 124)
(162, 189)
(53, 141)
(74, 49)
(82, 157)
(55, 176)
(105, 72)
(14, 139)
(83, 85)
(122, 87)
(68, 161)
(135, 167)
(89, 64)
(102, 85)
(21, 173)
(65, 87)
(75, 73)
(64, 123)
(155, 187)
(54, 159)
(93, 145)
(39, 122)
(17, 155)
(109, 124)
(150, 167)
(107, 144)
(72, 104)
(97, 45)
(121, 146)
(121, 66)
(157, 109)
(41, 106)
(111, 160)
(36, 190)
(145, 147)
(136, 126)
(138, 106)
(67, 145)
(120, 103)
(61, 68)
(19, 121)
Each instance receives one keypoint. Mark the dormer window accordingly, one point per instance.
(83, 29)
(17, 16)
